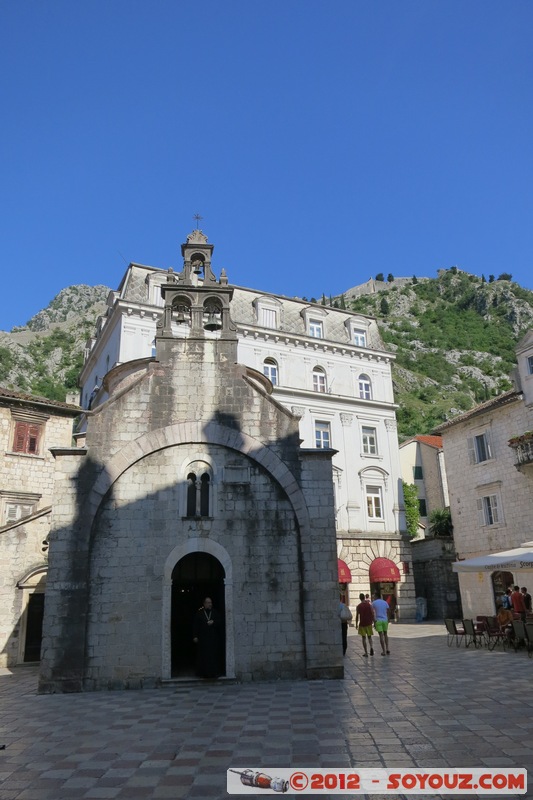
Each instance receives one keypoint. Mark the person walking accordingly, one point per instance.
(345, 615)
(381, 611)
(364, 618)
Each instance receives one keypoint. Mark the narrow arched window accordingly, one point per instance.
(319, 380)
(365, 387)
(204, 495)
(191, 494)
(270, 369)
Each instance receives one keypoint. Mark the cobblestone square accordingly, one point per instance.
(426, 705)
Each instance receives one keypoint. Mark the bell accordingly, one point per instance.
(180, 317)
(213, 322)
(197, 267)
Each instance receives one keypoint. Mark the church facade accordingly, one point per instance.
(189, 480)
(328, 368)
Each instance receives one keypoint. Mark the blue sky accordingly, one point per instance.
(322, 142)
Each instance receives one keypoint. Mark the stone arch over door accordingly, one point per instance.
(33, 587)
(197, 545)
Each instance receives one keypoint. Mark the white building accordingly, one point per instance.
(489, 463)
(327, 366)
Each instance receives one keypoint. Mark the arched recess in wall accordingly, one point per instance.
(192, 433)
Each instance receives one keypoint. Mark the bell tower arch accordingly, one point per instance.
(195, 297)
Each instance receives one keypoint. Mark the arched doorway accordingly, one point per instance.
(31, 628)
(383, 576)
(195, 576)
(501, 581)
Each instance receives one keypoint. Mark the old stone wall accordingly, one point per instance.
(121, 521)
(435, 579)
(359, 553)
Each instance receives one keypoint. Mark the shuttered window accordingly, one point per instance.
(26, 438)
(15, 511)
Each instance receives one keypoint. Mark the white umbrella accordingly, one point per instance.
(520, 558)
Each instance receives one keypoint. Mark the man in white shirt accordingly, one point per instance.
(381, 608)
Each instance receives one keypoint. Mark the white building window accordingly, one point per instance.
(365, 387)
(359, 337)
(530, 365)
(374, 504)
(270, 369)
(268, 317)
(479, 448)
(319, 380)
(316, 329)
(268, 312)
(489, 510)
(369, 439)
(322, 435)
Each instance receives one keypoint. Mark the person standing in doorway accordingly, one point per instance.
(381, 611)
(527, 598)
(207, 633)
(364, 618)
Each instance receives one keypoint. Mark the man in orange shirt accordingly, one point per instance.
(519, 606)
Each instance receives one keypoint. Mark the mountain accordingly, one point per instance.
(454, 337)
(45, 356)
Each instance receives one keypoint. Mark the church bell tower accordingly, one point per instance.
(194, 297)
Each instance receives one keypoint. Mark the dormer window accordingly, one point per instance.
(359, 337)
(316, 328)
(268, 312)
(268, 318)
(314, 320)
(357, 331)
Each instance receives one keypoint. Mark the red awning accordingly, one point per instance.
(345, 576)
(383, 569)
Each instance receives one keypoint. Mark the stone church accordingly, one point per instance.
(190, 480)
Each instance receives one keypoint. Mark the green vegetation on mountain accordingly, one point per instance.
(454, 338)
(45, 356)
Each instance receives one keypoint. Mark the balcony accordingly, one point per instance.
(523, 447)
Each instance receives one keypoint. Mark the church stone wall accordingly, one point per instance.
(119, 516)
(139, 526)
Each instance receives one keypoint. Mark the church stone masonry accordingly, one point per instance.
(191, 481)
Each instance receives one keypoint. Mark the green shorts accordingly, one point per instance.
(365, 630)
(382, 626)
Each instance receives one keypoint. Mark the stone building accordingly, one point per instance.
(422, 460)
(189, 480)
(422, 464)
(488, 453)
(29, 427)
(327, 367)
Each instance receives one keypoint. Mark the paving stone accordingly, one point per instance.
(164, 743)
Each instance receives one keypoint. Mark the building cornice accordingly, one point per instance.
(309, 394)
(312, 344)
